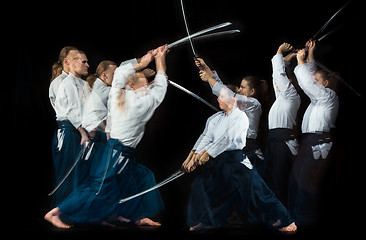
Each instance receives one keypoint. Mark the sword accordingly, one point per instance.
(172, 177)
(339, 27)
(339, 78)
(189, 35)
(210, 29)
(330, 20)
(210, 35)
(193, 95)
(78, 157)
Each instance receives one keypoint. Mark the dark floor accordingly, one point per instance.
(42, 229)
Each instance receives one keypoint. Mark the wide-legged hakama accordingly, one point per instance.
(65, 148)
(225, 185)
(310, 185)
(118, 176)
(279, 157)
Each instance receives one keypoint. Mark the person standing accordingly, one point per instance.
(70, 135)
(282, 145)
(227, 181)
(309, 183)
(132, 103)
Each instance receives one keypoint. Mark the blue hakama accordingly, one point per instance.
(118, 176)
(65, 148)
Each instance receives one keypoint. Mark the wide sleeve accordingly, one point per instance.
(281, 83)
(122, 72)
(311, 87)
(206, 137)
(156, 93)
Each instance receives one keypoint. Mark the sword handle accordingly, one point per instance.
(196, 58)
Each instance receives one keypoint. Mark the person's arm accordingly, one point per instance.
(159, 86)
(305, 78)
(311, 45)
(84, 135)
(281, 83)
(160, 57)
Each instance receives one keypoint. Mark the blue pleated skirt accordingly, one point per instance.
(224, 185)
(117, 176)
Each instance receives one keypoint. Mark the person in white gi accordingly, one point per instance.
(70, 135)
(309, 181)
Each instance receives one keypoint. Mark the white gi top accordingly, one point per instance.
(223, 132)
(128, 124)
(283, 111)
(252, 107)
(71, 96)
(322, 111)
(54, 87)
(95, 110)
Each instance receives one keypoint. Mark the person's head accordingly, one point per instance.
(252, 86)
(137, 81)
(105, 72)
(326, 79)
(62, 63)
(79, 64)
(226, 100)
(249, 86)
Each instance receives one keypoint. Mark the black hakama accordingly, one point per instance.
(278, 162)
(224, 186)
(310, 188)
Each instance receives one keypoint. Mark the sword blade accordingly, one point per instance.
(203, 37)
(339, 27)
(187, 29)
(339, 78)
(206, 30)
(172, 177)
(193, 95)
(330, 20)
(78, 157)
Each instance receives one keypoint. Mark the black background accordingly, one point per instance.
(122, 30)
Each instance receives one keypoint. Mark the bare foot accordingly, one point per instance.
(107, 224)
(122, 219)
(200, 227)
(147, 222)
(290, 228)
(53, 217)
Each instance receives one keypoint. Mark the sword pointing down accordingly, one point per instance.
(172, 177)
(193, 95)
(78, 157)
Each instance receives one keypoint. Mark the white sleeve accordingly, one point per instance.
(244, 103)
(280, 79)
(156, 93)
(121, 73)
(307, 83)
(281, 83)
(311, 66)
(204, 139)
